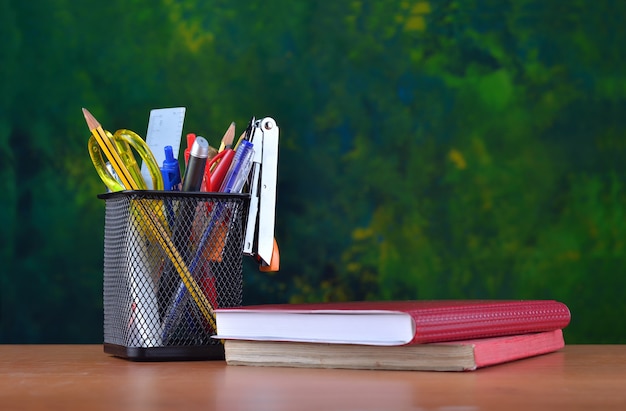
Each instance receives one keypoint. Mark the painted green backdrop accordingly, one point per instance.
(429, 149)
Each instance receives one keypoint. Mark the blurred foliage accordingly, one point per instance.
(450, 149)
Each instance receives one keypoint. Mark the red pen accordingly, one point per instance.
(222, 162)
(218, 166)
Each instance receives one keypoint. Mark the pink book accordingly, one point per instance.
(391, 322)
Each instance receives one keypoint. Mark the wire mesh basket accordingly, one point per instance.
(170, 259)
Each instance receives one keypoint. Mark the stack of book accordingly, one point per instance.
(444, 335)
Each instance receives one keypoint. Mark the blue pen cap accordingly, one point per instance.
(170, 171)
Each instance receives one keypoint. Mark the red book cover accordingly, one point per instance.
(497, 350)
(391, 322)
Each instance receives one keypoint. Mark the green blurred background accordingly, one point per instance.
(429, 149)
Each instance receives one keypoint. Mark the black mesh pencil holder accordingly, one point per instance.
(170, 259)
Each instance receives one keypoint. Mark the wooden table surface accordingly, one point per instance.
(83, 377)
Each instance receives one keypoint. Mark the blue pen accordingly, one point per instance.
(240, 167)
(233, 183)
(171, 180)
(170, 171)
(182, 224)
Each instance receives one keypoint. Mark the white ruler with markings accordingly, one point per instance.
(165, 128)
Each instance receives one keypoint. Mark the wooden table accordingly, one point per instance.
(73, 377)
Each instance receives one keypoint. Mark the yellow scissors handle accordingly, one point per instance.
(99, 163)
(125, 141)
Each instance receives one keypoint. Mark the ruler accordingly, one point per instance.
(165, 128)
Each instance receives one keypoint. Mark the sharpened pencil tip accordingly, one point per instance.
(229, 136)
(92, 123)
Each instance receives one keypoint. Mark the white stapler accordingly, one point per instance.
(259, 239)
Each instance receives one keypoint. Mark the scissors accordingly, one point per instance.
(124, 142)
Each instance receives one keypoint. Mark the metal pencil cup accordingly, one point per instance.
(170, 259)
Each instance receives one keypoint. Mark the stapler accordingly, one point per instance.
(259, 241)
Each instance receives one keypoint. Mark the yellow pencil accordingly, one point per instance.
(110, 152)
(159, 232)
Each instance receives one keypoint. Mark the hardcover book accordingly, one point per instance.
(467, 355)
(390, 322)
